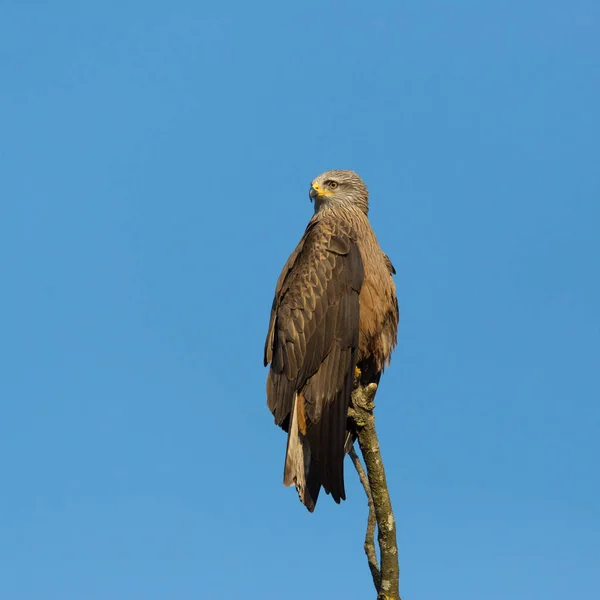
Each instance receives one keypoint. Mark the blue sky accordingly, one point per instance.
(154, 167)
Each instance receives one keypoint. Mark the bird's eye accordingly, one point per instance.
(332, 184)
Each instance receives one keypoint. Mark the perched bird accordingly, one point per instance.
(334, 317)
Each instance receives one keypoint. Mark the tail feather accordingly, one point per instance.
(300, 467)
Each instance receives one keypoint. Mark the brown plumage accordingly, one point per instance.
(334, 309)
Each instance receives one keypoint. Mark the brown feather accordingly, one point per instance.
(301, 415)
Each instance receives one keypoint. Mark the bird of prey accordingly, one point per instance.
(334, 317)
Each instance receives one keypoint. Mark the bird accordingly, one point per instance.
(333, 322)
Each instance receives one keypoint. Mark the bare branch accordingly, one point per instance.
(371, 521)
(361, 413)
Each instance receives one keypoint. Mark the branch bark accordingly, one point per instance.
(371, 521)
(386, 577)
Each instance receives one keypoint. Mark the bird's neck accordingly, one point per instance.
(325, 205)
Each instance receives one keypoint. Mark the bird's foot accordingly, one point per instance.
(357, 374)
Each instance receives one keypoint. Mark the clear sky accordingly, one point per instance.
(154, 167)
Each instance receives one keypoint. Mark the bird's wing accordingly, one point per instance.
(312, 347)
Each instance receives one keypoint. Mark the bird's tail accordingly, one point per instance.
(300, 467)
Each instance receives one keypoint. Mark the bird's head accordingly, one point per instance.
(339, 188)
